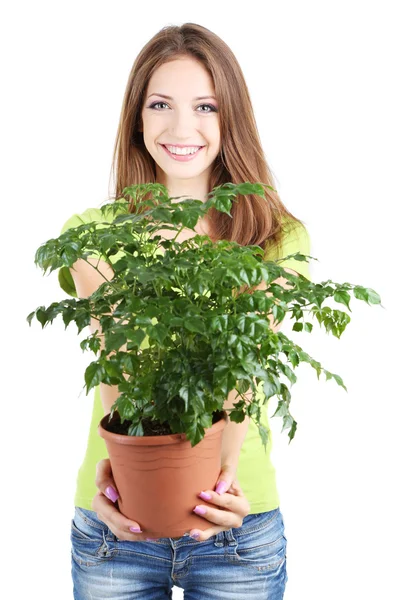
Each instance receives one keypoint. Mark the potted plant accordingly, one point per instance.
(208, 333)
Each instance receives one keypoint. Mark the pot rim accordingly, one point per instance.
(157, 440)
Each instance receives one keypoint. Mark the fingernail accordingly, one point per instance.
(205, 496)
(151, 539)
(199, 510)
(135, 529)
(221, 488)
(111, 493)
(194, 535)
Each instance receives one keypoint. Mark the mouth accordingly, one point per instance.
(182, 157)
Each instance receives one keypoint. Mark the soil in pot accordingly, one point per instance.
(150, 427)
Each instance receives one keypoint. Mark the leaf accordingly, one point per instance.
(293, 430)
(251, 188)
(93, 375)
(114, 341)
(294, 358)
(343, 297)
(339, 381)
(237, 416)
(41, 315)
(287, 422)
(82, 319)
(136, 429)
(130, 363)
(223, 205)
(107, 241)
(272, 386)
(264, 435)
(136, 337)
(288, 372)
(367, 294)
(69, 255)
(158, 332)
(125, 406)
(68, 315)
(278, 313)
(195, 324)
(30, 317)
(184, 393)
(281, 409)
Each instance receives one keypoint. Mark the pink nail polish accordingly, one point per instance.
(135, 530)
(221, 488)
(111, 493)
(205, 496)
(199, 510)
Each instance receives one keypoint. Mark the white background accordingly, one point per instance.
(323, 81)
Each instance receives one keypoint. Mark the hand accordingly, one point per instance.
(104, 505)
(234, 505)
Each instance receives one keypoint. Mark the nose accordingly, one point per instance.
(182, 125)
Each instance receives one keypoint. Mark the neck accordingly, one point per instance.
(189, 188)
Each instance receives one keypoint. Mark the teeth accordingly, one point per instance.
(189, 150)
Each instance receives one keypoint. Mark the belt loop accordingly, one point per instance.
(219, 541)
(229, 536)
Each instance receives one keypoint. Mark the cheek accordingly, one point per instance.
(150, 135)
(211, 132)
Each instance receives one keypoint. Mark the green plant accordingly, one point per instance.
(206, 337)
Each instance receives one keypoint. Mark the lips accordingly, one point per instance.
(182, 157)
(185, 146)
(175, 145)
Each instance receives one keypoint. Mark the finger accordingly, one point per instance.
(225, 479)
(104, 480)
(221, 517)
(236, 489)
(202, 536)
(235, 502)
(115, 520)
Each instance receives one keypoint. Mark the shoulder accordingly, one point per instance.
(295, 232)
(89, 215)
(94, 214)
(295, 239)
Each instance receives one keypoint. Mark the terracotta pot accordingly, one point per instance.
(159, 477)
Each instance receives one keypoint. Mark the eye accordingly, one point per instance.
(155, 104)
(210, 106)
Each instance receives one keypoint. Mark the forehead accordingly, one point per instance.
(183, 78)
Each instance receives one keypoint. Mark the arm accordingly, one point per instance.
(87, 280)
(234, 433)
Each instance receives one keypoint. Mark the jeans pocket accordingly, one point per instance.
(91, 542)
(261, 543)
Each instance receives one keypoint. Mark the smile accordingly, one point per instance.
(183, 157)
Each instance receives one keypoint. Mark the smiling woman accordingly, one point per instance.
(181, 130)
(169, 134)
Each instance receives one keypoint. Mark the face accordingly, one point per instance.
(181, 121)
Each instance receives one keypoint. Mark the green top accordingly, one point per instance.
(256, 473)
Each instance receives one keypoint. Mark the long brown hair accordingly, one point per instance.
(255, 220)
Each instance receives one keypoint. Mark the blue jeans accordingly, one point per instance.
(248, 562)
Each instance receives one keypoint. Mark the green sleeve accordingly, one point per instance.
(295, 239)
(90, 214)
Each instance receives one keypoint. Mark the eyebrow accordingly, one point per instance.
(170, 98)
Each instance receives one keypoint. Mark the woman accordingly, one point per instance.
(187, 122)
